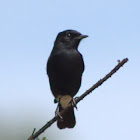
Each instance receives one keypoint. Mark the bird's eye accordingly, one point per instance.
(68, 35)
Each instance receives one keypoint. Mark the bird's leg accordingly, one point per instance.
(58, 114)
(73, 102)
(57, 111)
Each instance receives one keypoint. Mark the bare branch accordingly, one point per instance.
(120, 64)
(100, 82)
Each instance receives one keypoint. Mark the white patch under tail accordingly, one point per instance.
(64, 100)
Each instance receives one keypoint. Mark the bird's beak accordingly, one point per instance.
(82, 36)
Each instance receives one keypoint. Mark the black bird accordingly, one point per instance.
(65, 67)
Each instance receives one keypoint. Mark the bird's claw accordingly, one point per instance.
(73, 102)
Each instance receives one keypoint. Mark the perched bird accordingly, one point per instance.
(65, 67)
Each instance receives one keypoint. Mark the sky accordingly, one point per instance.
(28, 29)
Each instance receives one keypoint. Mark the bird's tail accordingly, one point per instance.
(68, 120)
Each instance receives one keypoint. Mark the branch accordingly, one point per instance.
(77, 100)
(100, 82)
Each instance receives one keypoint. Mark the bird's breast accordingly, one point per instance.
(66, 63)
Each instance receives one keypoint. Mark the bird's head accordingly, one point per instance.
(69, 39)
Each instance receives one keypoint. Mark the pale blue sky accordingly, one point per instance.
(28, 29)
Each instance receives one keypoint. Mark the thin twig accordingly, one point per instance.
(100, 82)
(120, 64)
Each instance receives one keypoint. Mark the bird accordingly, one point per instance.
(65, 67)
